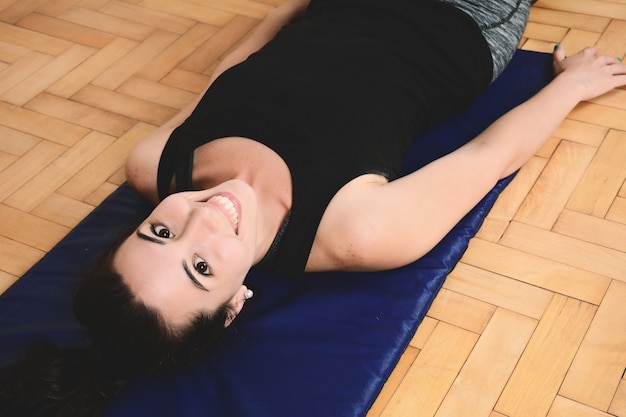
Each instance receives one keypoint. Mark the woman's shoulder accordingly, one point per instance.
(344, 234)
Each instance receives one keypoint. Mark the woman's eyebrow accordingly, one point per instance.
(149, 238)
(192, 278)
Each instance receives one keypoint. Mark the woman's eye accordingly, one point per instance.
(201, 266)
(161, 231)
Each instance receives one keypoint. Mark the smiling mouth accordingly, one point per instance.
(229, 206)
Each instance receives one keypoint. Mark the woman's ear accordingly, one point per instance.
(236, 304)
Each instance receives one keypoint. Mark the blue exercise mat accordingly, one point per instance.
(322, 346)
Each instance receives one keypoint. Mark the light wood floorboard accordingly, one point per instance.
(532, 320)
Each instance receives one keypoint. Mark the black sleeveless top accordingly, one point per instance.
(338, 94)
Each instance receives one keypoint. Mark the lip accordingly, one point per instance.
(236, 204)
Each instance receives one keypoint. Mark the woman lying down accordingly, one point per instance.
(291, 160)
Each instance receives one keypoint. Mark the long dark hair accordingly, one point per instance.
(128, 340)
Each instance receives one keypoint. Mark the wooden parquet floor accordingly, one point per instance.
(531, 323)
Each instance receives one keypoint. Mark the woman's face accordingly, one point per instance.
(193, 252)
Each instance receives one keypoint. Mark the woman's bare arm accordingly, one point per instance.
(387, 225)
(142, 163)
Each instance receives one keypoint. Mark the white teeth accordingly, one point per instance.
(229, 207)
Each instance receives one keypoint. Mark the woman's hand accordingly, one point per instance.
(590, 73)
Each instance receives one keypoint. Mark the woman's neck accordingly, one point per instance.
(259, 166)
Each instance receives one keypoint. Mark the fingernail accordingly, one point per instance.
(557, 46)
(619, 59)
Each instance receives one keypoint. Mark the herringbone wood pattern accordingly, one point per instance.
(530, 323)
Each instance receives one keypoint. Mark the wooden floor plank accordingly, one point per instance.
(432, 373)
(31, 164)
(569, 251)
(23, 69)
(31, 230)
(547, 33)
(554, 186)
(612, 40)
(69, 31)
(569, 20)
(615, 98)
(135, 60)
(47, 75)
(17, 258)
(608, 9)
(100, 193)
(604, 178)
(478, 386)
(147, 16)
(190, 10)
(577, 40)
(6, 279)
(423, 333)
(393, 382)
(617, 212)
(10, 53)
(143, 89)
(19, 9)
(62, 210)
(618, 405)
(253, 9)
(36, 124)
(592, 229)
(125, 105)
(599, 114)
(536, 380)
(579, 132)
(498, 290)
(539, 272)
(564, 407)
(33, 40)
(108, 24)
(6, 159)
(33, 193)
(214, 48)
(79, 77)
(56, 7)
(461, 311)
(90, 117)
(88, 179)
(598, 367)
(181, 49)
(510, 200)
(549, 147)
(15, 142)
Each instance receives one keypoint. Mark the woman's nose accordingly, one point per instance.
(201, 220)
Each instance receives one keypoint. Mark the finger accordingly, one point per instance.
(559, 54)
(619, 69)
(619, 80)
(610, 60)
